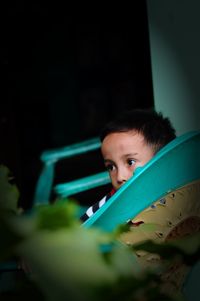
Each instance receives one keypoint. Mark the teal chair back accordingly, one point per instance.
(49, 158)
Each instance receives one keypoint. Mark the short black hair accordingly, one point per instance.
(156, 129)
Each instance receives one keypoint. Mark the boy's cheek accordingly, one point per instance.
(114, 184)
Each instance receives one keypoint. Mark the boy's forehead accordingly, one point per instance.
(126, 144)
(123, 141)
(117, 147)
(116, 137)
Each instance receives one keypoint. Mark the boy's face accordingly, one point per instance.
(122, 153)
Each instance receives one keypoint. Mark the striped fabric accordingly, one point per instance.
(91, 210)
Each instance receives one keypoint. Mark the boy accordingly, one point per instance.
(130, 141)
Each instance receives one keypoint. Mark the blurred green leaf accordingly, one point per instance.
(69, 262)
(57, 216)
(9, 193)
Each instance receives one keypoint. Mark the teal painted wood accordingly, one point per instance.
(177, 164)
(86, 183)
(44, 184)
(50, 157)
(71, 150)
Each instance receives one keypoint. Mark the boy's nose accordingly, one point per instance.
(122, 176)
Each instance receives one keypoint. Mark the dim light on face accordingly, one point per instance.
(123, 152)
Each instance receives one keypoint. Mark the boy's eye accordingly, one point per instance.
(131, 162)
(109, 167)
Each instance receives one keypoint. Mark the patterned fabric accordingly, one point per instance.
(91, 210)
(175, 216)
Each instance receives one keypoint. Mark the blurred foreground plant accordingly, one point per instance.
(68, 262)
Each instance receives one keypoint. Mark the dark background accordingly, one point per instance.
(66, 71)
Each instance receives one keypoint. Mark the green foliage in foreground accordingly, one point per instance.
(61, 260)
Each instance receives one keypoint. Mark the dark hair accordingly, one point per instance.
(156, 129)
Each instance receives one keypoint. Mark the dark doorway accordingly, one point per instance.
(69, 72)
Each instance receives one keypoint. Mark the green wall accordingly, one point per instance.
(175, 58)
